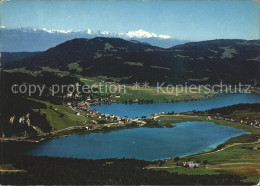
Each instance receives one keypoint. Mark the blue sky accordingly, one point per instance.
(189, 20)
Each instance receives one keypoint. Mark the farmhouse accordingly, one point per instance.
(191, 164)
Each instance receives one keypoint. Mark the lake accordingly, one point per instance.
(138, 110)
(141, 143)
(146, 143)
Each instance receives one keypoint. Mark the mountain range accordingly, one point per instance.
(207, 62)
(31, 39)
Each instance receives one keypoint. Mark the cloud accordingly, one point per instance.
(2, 26)
(164, 36)
(143, 34)
(46, 30)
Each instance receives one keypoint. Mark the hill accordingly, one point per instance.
(8, 57)
(207, 62)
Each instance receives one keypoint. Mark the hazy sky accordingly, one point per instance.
(191, 20)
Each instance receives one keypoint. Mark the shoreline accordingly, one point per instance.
(96, 103)
(75, 130)
(47, 136)
(81, 130)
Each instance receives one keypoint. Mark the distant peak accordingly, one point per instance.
(57, 31)
(129, 34)
(144, 34)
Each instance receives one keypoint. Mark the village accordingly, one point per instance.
(82, 108)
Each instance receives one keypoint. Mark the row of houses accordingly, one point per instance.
(94, 113)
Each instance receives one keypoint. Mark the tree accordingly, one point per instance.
(161, 163)
(205, 162)
(176, 159)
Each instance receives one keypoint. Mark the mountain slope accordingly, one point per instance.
(223, 48)
(8, 57)
(230, 61)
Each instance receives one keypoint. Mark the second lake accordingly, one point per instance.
(138, 110)
(141, 143)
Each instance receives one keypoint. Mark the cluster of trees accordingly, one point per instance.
(47, 170)
(230, 109)
(17, 116)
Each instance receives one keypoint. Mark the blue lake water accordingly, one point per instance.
(138, 110)
(149, 143)
(141, 143)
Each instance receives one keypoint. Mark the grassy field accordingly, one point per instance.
(60, 116)
(149, 93)
(56, 71)
(239, 159)
(152, 93)
(35, 73)
(238, 155)
(228, 52)
(131, 92)
(75, 67)
(23, 70)
(134, 63)
(239, 113)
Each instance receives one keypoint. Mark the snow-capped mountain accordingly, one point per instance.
(32, 39)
